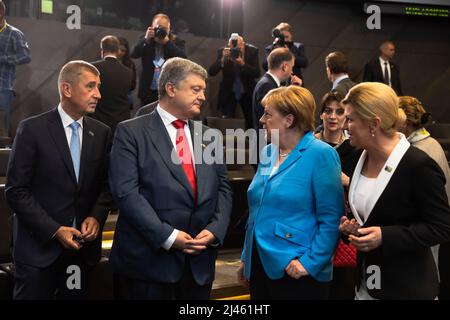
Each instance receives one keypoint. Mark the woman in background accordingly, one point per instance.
(124, 57)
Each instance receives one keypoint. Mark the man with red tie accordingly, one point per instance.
(174, 208)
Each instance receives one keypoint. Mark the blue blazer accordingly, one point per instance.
(154, 197)
(295, 212)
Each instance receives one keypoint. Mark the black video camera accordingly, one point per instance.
(235, 52)
(279, 40)
(160, 32)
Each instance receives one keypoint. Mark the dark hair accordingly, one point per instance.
(337, 62)
(110, 44)
(278, 56)
(126, 59)
(328, 98)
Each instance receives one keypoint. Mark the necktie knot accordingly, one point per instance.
(179, 124)
(74, 126)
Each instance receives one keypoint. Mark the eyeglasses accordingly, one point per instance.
(329, 111)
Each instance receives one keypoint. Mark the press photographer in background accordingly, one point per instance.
(154, 48)
(282, 36)
(239, 64)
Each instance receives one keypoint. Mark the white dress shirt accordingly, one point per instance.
(167, 119)
(67, 121)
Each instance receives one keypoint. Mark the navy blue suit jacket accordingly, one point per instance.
(43, 192)
(264, 85)
(154, 197)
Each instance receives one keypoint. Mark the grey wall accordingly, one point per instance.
(423, 50)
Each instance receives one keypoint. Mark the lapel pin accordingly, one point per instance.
(388, 169)
(91, 133)
(203, 145)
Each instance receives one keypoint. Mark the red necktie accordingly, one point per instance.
(184, 152)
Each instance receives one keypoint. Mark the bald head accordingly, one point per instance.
(387, 50)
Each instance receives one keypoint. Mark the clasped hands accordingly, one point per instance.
(71, 238)
(194, 246)
(363, 239)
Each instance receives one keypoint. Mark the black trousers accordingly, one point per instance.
(343, 283)
(286, 288)
(68, 278)
(229, 108)
(186, 289)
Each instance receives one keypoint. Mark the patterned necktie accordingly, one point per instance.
(184, 152)
(75, 147)
(386, 74)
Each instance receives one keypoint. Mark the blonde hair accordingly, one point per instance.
(293, 100)
(375, 99)
(415, 113)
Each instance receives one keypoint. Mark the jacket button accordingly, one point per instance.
(288, 235)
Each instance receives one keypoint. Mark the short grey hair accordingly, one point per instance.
(72, 70)
(176, 70)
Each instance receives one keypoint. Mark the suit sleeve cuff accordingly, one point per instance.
(170, 240)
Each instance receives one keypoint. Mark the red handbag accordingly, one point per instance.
(345, 254)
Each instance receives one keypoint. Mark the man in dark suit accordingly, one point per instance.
(383, 69)
(239, 64)
(58, 189)
(285, 40)
(117, 81)
(337, 72)
(158, 45)
(173, 214)
(281, 62)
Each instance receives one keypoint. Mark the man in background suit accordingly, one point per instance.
(383, 69)
(239, 64)
(337, 72)
(281, 62)
(158, 45)
(58, 189)
(117, 81)
(173, 214)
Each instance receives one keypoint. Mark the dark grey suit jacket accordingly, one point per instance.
(264, 85)
(154, 197)
(344, 86)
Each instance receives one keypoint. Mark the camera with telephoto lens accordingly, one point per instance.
(235, 52)
(279, 40)
(160, 32)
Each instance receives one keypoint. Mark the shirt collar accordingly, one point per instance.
(109, 56)
(335, 82)
(66, 119)
(274, 78)
(4, 27)
(382, 61)
(166, 117)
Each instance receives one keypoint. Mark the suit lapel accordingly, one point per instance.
(58, 135)
(382, 180)
(86, 147)
(161, 140)
(294, 156)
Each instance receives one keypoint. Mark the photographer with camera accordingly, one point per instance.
(157, 46)
(283, 35)
(239, 64)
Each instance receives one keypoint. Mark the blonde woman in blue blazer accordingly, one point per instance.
(296, 201)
